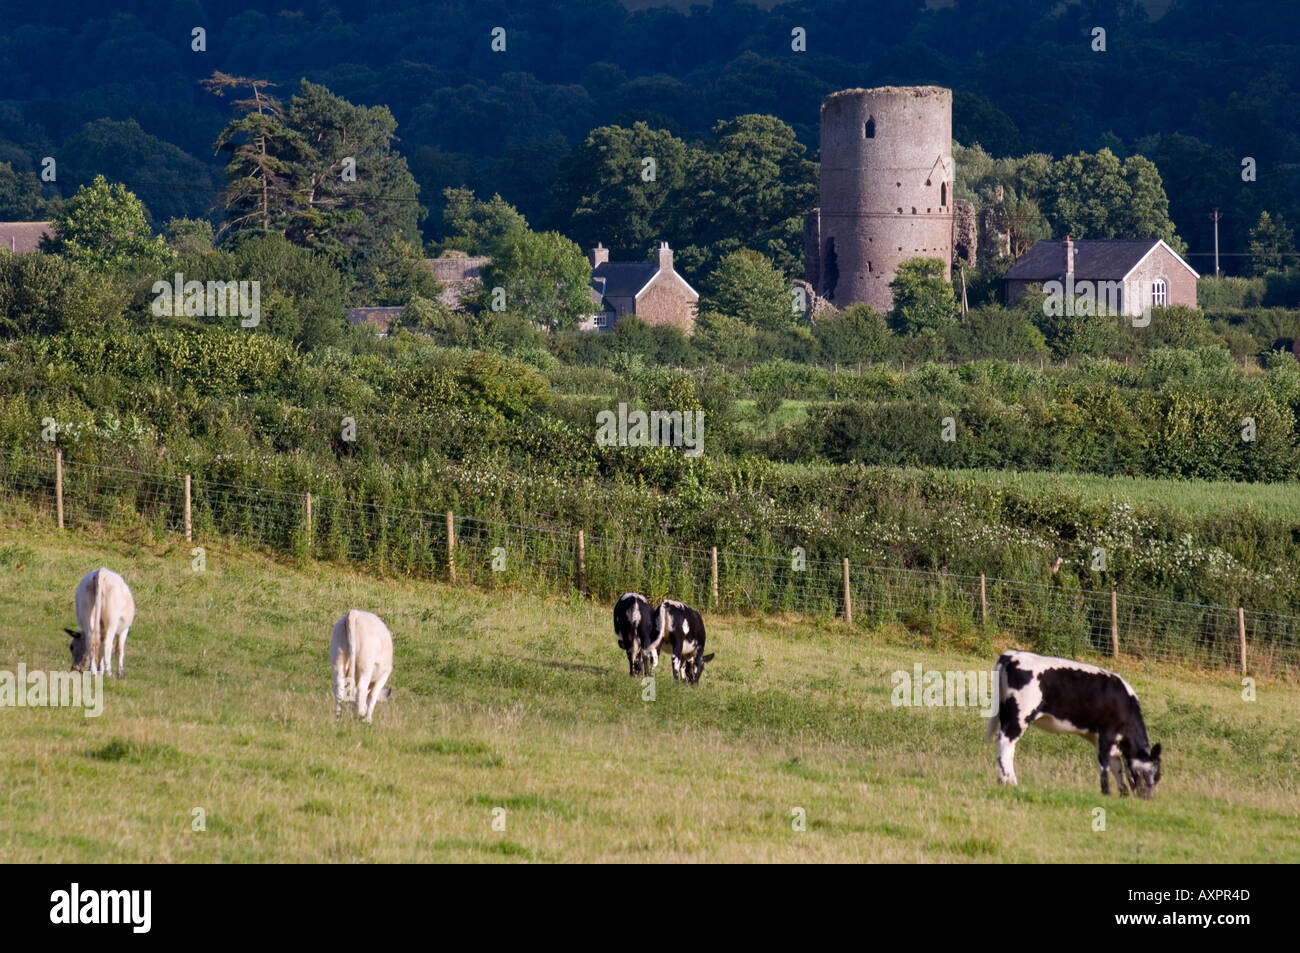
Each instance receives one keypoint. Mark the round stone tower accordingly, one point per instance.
(886, 190)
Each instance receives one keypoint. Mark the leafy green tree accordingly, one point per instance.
(189, 236)
(746, 286)
(1097, 196)
(923, 298)
(46, 294)
(473, 225)
(105, 228)
(724, 338)
(1272, 245)
(618, 187)
(858, 333)
(20, 195)
(748, 188)
(545, 278)
(392, 273)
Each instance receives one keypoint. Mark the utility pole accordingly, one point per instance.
(1214, 217)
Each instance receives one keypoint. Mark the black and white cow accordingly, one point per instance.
(684, 628)
(637, 629)
(1066, 697)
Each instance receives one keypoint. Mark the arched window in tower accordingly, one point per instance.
(869, 129)
(943, 194)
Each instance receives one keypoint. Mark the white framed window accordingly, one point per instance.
(602, 320)
(1159, 293)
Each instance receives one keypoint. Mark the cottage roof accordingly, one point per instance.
(1108, 259)
(22, 237)
(623, 279)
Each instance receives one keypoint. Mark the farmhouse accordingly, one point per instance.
(1125, 276)
(653, 291)
(23, 237)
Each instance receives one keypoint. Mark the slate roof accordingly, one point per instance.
(23, 237)
(1095, 260)
(623, 279)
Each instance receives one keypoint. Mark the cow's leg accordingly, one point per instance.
(1104, 744)
(363, 691)
(1117, 768)
(1011, 728)
(1006, 759)
(340, 690)
(121, 654)
(650, 659)
(376, 691)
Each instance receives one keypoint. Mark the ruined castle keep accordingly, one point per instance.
(887, 180)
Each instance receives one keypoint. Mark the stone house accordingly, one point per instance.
(23, 237)
(652, 290)
(1124, 275)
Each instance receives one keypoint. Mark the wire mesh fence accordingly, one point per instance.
(494, 554)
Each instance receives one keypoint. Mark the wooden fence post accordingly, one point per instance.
(848, 597)
(713, 573)
(58, 486)
(309, 526)
(1241, 633)
(582, 563)
(1114, 624)
(984, 602)
(451, 546)
(189, 517)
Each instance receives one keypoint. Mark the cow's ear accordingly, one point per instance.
(709, 657)
(73, 632)
(1155, 752)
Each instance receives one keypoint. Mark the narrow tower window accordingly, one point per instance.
(943, 194)
(869, 130)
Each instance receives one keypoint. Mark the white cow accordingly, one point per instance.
(105, 611)
(361, 653)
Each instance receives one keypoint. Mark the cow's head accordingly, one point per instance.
(80, 656)
(1146, 771)
(694, 672)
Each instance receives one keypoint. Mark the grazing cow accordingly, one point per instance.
(1066, 697)
(637, 632)
(361, 653)
(105, 611)
(684, 628)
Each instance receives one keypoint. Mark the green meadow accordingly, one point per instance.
(515, 734)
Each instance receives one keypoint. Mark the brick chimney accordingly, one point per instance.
(664, 257)
(1069, 256)
(599, 255)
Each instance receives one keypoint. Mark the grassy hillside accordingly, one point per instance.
(510, 700)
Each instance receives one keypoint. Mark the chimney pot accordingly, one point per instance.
(599, 255)
(664, 257)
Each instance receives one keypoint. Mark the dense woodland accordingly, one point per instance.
(1195, 91)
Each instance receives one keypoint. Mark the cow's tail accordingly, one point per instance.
(95, 625)
(998, 683)
(350, 669)
(663, 622)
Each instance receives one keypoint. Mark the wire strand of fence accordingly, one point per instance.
(960, 608)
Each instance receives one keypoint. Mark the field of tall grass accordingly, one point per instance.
(514, 733)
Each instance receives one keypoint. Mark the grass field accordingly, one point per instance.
(518, 702)
(1192, 497)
